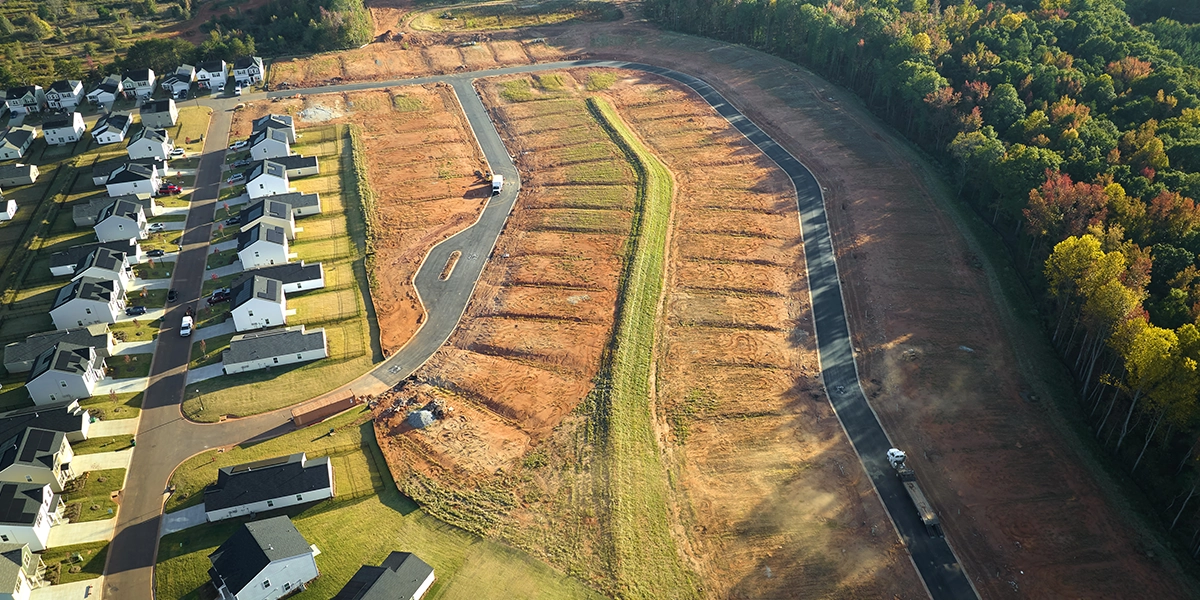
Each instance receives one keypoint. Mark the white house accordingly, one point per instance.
(20, 572)
(14, 174)
(150, 143)
(105, 263)
(139, 83)
(106, 93)
(159, 114)
(65, 130)
(268, 484)
(41, 456)
(274, 348)
(121, 220)
(87, 302)
(266, 178)
(27, 512)
(133, 178)
(263, 560)
(8, 209)
(295, 276)
(63, 373)
(19, 356)
(302, 205)
(248, 70)
(273, 121)
(111, 129)
(269, 143)
(64, 94)
(16, 141)
(402, 575)
(262, 245)
(178, 84)
(212, 74)
(86, 214)
(257, 303)
(25, 99)
(298, 166)
(63, 263)
(270, 213)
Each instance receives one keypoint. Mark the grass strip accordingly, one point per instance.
(647, 562)
(366, 198)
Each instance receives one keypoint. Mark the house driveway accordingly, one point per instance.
(173, 210)
(140, 347)
(232, 269)
(244, 198)
(152, 314)
(183, 519)
(150, 284)
(112, 427)
(202, 373)
(132, 385)
(173, 225)
(82, 533)
(213, 331)
(90, 589)
(98, 461)
(223, 246)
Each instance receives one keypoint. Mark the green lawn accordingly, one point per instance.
(172, 218)
(13, 394)
(89, 497)
(60, 561)
(232, 191)
(507, 15)
(466, 565)
(165, 240)
(152, 269)
(192, 162)
(192, 125)
(136, 330)
(128, 366)
(222, 258)
(97, 445)
(113, 406)
(208, 352)
(211, 314)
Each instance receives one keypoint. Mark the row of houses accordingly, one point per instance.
(15, 141)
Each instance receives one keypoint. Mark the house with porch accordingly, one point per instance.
(37, 455)
(268, 484)
(111, 129)
(295, 276)
(27, 512)
(106, 93)
(16, 141)
(19, 356)
(26, 99)
(248, 70)
(64, 94)
(139, 83)
(63, 373)
(64, 130)
(87, 301)
(21, 572)
(263, 560)
(302, 204)
(211, 74)
(105, 263)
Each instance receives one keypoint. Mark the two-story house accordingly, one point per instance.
(295, 276)
(21, 572)
(19, 356)
(269, 143)
(262, 245)
(106, 93)
(263, 560)
(121, 220)
(63, 373)
(16, 141)
(257, 303)
(63, 262)
(248, 70)
(139, 83)
(159, 114)
(149, 143)
(87, 301)
(111, 129)
(36, 455)
(105, 263)
(25, 100)
(178, 84)
(64, 94)
(212, 74)
(27, 512)
(266, 211)
(297, 166)
(266, 178)
(134, 178)
(63, 130)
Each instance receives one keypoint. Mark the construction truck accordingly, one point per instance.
(908, 477)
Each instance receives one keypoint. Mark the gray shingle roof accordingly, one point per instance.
(266, 206)
(157, 106)
(15, 558)
(68, 419)
(33, 446)
(19, 136)
(66, 85)
(130, 171)
(103, 258)
(212, 66)
(20, 92)
(279, 477)
(86, 288)
(298, 200)
(15, 170)
(117, 122)
(20, 503)
(64, 357)
(273, 120)
(274, 133)
(400, 576)
(296, 161)
(72, 255)
(154, 135)
(256, 287)
(95, 336)
(272, 343)
(137, 74)
(59, 123)
(268, 233)
(254, 546)
(288, 273)
(244, 62)
(104, 168)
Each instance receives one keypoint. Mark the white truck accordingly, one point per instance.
(497, 184)
(908, 477)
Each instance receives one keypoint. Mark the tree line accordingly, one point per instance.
(1076, 134)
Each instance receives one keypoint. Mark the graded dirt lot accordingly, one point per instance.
(766, 478)
(422, 161)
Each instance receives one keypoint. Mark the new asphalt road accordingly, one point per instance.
(165, 439)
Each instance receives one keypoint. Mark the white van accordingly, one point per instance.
(185, 327)
(497, 184)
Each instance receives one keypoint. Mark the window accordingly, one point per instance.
(4, 538)
(267, 584)
(299, 496)
(275, 360)
(287, 586)
(62, 383)
(270, 503)
(87, 310)
(28, 479)
(299, 357)
(250, 312)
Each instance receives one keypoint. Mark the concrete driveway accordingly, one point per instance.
(82, 533)
(138, 347)
(207, 372)
(98, 461)
(132, 385)
(183, 519)
(112, 427)
(212, 331)
(92, 589)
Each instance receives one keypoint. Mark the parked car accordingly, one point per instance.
(236, 177)
(157, 227)
(155, 253)
(133, 311)
(238, 145)
(185, 327)
(169, 189)
(231, 221)
(177, 152)
(218, 298)
(172, 295)
(237, 91)
(245, 162)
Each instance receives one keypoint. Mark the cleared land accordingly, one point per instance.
(509, 15)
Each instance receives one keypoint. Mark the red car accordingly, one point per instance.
(169, 189)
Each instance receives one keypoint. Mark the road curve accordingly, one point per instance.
(132, 554)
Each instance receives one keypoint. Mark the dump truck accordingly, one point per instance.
(908, 477)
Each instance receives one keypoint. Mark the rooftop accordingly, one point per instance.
(266, 480)
(287, 273)
(64, 357)
(125, 208)
(72, 255)
(66, 85)
(102, 258)
(157, 106)
(86, 288)
(275, 342)
(20, 503)
(298, 200)
(269, 233)
(34, 446)
(254, 546)
(256, 287)
(400, 576)
(266, 207)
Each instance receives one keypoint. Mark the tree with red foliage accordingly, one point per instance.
(1061, 208)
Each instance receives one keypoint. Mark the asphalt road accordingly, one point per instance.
(166, 439)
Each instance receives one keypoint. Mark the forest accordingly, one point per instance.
(301, 26)
(1074, 132)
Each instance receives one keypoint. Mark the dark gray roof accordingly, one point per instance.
(266, 480)
(269, 344)
(272, 234)
(19, 136)
(20, 92)
(157, 106)
(287, 273)
(298, 200)
(104, 258)
(123, 208)
(110, 84)
(115, 121)
(137, 74)
(59, 123)
(21, 502)
(270, 167)
(212, 66)
(275, 133)
(93, 335)
(400, 577)
(72, 255)
(266, 206)
(33, 446)
(149, 133)
(91, 210)
(86, 288)
(295, 161)
(130, 171)
(64, 357)
(14, 170)
(68, 418)
(104, 168)
(256, 287)
(15, 558)
(65, 85)
(243, 62)
(254, 546)
(273, 120)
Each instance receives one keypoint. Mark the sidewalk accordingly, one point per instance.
(183, 519)
(138, 347)
(232, 269)
(202, 373)
(98, 461)
(112, 427)
(121, 386)
(82, 533)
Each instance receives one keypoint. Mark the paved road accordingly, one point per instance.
(166, 439)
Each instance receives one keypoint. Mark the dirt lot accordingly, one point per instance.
(422, 164)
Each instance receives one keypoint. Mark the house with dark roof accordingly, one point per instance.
(263, 560)
(63, 373)
(63, 263)
(21, 572)
(102, 169)
(139, 83)
(269, 143)
(302, 204)
(106, 93)
(266, 178)
(69, 418)
(111, 129)
(159, 114)
(248, 70)
(16, 141)
(298, 166)
(258, 302)
(14, 174)
(64, 94)
(262, 245)
(150, 143)
(274, 348)
(211, 74)
(8, 209)
(25, 99)
(268, 484)
(19, 356)
(27, 512)
(270, 213)
(87, 301)
(63, 130)
(123, 219)
(35, 455)
(402, 576)
(85, 214)
(273, 121)
(178, 84)
(295, 276)
(107, 264)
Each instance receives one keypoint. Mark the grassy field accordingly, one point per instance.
(136, 330)
(646, 556)
(60, 560)
(89, 497)
(335, 239)
(127, 366)
(507, 15)
(114, 406)
(192, 125)
(466, 566)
